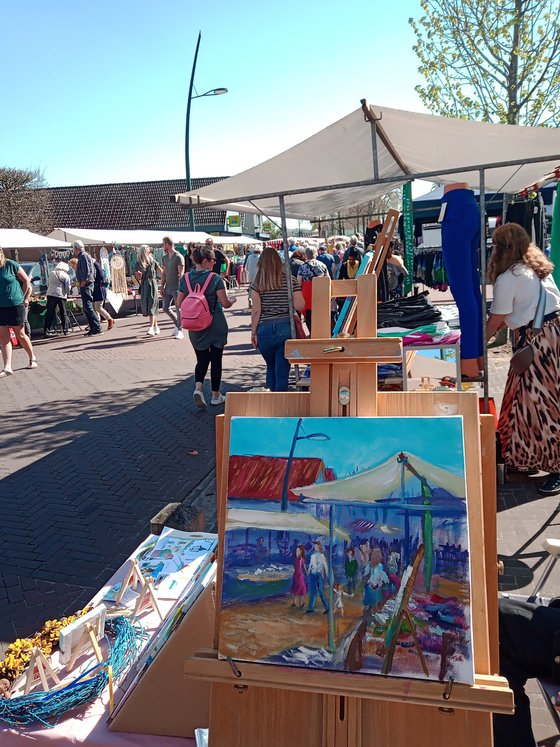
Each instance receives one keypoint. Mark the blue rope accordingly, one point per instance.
(48, 707)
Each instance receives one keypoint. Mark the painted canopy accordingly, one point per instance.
(382, 481)
(342, 153)
(280, 521)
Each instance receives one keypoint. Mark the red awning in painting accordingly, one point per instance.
(262, 477)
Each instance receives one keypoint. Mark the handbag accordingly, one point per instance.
(300, 332)
(523, 356)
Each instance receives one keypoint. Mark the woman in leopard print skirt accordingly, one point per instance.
(529, 424)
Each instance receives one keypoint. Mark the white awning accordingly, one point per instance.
(20, 238)
(98, 236)
(382, 481)
(278, 521)
(241, 240)
(342, 153)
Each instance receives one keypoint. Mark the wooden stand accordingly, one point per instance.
(254, 704)
(38, 660)
(87, 639)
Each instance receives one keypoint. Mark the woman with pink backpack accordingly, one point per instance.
(202, 299)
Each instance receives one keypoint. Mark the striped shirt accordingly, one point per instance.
(274, 303)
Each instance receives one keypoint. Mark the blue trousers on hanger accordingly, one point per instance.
(460, 237)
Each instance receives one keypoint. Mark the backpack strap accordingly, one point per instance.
(207, 281)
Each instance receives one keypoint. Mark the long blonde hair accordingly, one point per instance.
(512, 245)
(270, 275)
(145, 255)
(2, 257)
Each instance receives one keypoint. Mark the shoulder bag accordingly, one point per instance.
(523, 356)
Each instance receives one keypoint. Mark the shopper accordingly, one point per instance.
(310, 269)
(270, 317)
(15, 289)
(172, 272)
(85, 273)
(326, 258)
(297, 259)
(221, 263)
(528, 424)
(100, 296)
(208, 343)
(145, 272)
(251, 265)
(57, 294)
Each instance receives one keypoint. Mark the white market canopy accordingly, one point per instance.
(409, 145)
(98, 236)
(20, 238)
(381, 481)
(278, 521)
(241, 240)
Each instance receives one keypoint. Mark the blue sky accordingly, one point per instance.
(95, 91)
(360, 443)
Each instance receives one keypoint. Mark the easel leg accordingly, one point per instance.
(416, 643)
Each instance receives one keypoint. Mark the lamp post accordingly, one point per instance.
(296, 438)
(212, 92)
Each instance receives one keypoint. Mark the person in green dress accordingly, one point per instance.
(145, 272)
(15, 289)
(208, 343)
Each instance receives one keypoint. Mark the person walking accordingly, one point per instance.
(309, 270)
(100, 296)
(57, 294)
(326, 258)
(318, 571)
(530, 413)
(270, 317)
(208, 343)
(85, 274)
(15, 289)
(145, 273)
(251, 265)
(172, 272)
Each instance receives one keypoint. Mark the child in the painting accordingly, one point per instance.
(350, 570)
(299, 587)
(376, 578)
(339, 592)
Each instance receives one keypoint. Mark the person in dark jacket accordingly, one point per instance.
(85, 275)
(100, 296)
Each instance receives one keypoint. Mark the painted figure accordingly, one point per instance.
(299, 587)
(338, 593)
(318, 570)
(351, 569)
(261, 552)
(376, 578)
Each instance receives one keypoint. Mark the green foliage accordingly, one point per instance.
(490, 60)
(24, 203)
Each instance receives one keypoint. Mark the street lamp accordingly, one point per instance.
(212, 92)
(296, 438)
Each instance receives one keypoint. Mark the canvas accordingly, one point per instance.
(346, 546)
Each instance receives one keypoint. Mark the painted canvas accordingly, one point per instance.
(346, 546)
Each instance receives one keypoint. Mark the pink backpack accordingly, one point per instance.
(195, 312)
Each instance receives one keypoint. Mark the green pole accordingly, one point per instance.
(427, 535)
(408, 226)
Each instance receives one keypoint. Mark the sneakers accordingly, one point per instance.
(198, 397)
(551, 486)
(178, 334)
(220, 399)
(151, 332)
(157, 330)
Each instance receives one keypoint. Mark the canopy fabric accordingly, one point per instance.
(241, 240)
(342, 153)
(99, 236)
(20, 238)
(279, 521)
(382, 481)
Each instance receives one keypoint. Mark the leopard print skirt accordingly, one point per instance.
(529, 424)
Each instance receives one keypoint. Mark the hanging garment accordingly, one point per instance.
(522, 213)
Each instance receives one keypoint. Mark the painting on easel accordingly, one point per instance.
(346, 546)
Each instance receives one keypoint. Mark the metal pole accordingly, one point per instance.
(287, 268)
(482, 203)
(187, 132)
(374, 150)
(331, 579)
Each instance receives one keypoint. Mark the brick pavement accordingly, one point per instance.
(96, 440)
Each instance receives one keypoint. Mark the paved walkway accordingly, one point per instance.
(101, 436)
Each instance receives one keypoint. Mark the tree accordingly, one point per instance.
(491, 60)
(24, 203)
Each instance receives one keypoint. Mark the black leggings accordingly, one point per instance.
(52, 304)
(212, 357)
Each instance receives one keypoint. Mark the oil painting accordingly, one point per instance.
(346, 546)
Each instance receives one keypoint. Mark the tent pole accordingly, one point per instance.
(287, 268)
(374, 149)
(482, 203)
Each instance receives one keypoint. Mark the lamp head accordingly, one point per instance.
(318, 437)
(218, 91)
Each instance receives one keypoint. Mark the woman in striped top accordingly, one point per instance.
(270, 317)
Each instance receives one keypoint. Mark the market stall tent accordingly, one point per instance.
(20, 238)
(98, 236)
(316, 175)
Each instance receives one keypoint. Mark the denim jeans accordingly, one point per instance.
(316, 586)
(271, 336)
(86, 292)
(169, 297)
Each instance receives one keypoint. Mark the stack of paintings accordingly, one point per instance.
(347, 546)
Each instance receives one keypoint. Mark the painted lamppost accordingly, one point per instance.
(296, 438)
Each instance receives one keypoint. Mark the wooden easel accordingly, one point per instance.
(88, 638)
(39, 660)
(253, 704)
